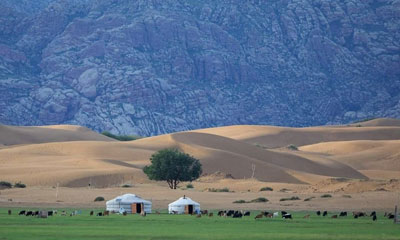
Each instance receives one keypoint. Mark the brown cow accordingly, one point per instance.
(211, 214)
(270, 215)
(307, 216)
(334, 216)
(259, 216)
(106, 213)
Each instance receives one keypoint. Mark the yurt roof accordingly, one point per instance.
(129, 198)
(184, 201)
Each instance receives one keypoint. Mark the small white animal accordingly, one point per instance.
(276, 214)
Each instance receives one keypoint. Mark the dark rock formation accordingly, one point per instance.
(155, 66)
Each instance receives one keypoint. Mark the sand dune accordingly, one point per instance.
(75, 156)
(276, 137)
(361, 155)
(379, 122)
(11, 135)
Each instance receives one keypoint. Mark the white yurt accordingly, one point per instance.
(129, 203)
(184, 205)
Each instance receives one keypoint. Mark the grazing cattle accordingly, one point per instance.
(100, 214)
(307, 216)
(283, 212)
(125, 213)
(35, 213)
(355, 216)
(390, 216)
(374, 218)
(270, 215)
(259, 216)
(22, 212)
(9, 212)
(247, 213)
(204, 212)
(91, 213)
(318, 213)
(221, 213)
(50, 213)
(343, 214)
(359, 214)
(143, 214)
(107, 213)
(287, 216)
(230, 213)
(334, 216)
(372, 214)
(29, 213)
(265, 213)
(276, 214)
(325, 213)
(237, 214)
(211, 214)
(198, 216)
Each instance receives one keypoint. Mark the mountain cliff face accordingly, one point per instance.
(156, 66)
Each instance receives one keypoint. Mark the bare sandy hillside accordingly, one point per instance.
(12, 135)
(379, 122)
(275, 137)
(72, 156)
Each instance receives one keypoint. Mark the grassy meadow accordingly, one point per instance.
(166, 226)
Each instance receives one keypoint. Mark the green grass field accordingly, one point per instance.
(166, 226)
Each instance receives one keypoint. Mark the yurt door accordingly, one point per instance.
(133, 207)
(137, 207)
(189, 209)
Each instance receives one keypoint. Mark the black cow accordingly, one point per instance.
(247, 213)
(100, 214)
(265, 214)
(373, 214)
(9, 212)
(22, 212)
(29, 213)
(325, 213)
(374, 218)
(230, 213)
(283, 212)
(390, 216)
(287, 216)
(318, 213)
(237, 214)
(50, 213)
(35, 213)
(359, 214)
(343, 214)
(91, 213)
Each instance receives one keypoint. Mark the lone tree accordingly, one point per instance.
(173, 166)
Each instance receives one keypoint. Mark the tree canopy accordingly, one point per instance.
(173, 166)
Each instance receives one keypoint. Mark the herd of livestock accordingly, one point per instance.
(225, 213)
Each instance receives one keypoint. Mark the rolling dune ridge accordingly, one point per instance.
(75, 156)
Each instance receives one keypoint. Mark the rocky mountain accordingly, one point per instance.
(156, 66)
